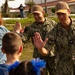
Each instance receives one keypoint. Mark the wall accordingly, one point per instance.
(40, 1)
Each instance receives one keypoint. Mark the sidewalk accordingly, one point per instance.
(11, 18)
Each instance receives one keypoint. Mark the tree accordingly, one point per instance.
(30, 4)
(45, 6)
(6, 7)
(53, 10)
(2, 8)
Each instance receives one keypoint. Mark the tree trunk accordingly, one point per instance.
(45, 6)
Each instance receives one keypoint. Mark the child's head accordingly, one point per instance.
(24, 68)
(11, 43)
(34, 67)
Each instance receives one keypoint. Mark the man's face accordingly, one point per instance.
(63, 17)
(38, 16)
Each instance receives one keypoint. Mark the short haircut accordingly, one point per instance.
(11, 42)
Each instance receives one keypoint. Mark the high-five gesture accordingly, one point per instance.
(39, 43)
(18, 27)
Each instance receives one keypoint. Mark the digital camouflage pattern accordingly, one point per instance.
(63, 43)
(43, 29)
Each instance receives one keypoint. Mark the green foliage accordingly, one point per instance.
(72, 12)
(6, 7)
(53, 10)
(6, 15)
(13, 15)
(30, 4)
(29, 15)
(46, 15)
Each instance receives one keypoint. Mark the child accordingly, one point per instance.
(33, 67)
(12, 47)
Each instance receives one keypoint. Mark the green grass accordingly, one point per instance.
(27, 53)
(24, 22)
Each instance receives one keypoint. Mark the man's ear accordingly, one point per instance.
(43, 13)
(3, 50)
(68, 11)
(20, 49)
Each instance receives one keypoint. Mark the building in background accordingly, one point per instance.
(40, 1)
(51, 4)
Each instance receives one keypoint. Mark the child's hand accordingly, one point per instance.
(18, 27)
(21, 31)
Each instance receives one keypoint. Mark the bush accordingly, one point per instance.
(72, 12)
(6, 15)
(29, 15)
(46, 15)
(13, 15)
(53, 10)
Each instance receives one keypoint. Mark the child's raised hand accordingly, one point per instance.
(18, 27)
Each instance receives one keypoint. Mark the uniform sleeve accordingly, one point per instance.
(50, 45)
(26, 34)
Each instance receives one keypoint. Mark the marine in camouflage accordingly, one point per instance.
(63, 43)
(43, 29)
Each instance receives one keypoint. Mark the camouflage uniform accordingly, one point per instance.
(63, 43)
(42, 28)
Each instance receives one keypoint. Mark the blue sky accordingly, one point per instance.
(13, 4)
